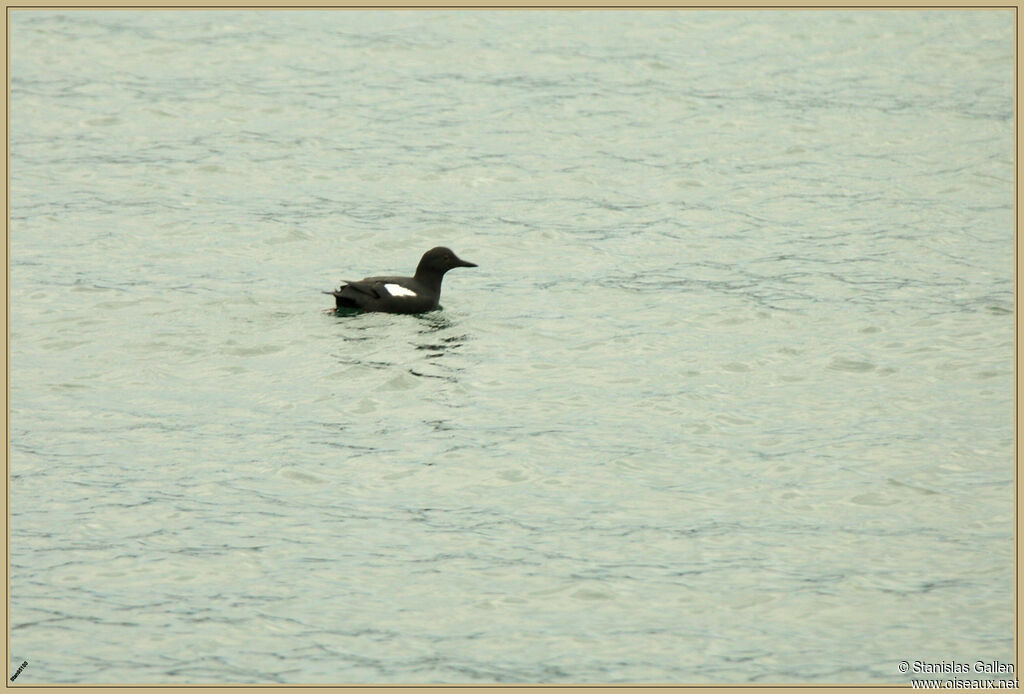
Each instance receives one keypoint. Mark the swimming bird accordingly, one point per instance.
(417, 294)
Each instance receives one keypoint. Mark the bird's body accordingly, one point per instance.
(417, 294)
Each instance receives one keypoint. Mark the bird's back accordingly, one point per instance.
(388, 294)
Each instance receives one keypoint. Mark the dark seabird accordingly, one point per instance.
(416, 294)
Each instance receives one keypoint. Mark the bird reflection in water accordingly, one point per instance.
(437, 344)
(433, 336)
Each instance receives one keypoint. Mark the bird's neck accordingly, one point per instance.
(429, 279)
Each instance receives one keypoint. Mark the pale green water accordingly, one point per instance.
(728, 399)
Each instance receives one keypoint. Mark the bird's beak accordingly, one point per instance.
(459, 262)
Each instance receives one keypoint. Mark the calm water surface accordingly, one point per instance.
(729, 398)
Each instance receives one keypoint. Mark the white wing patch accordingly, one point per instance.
(398, 290)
